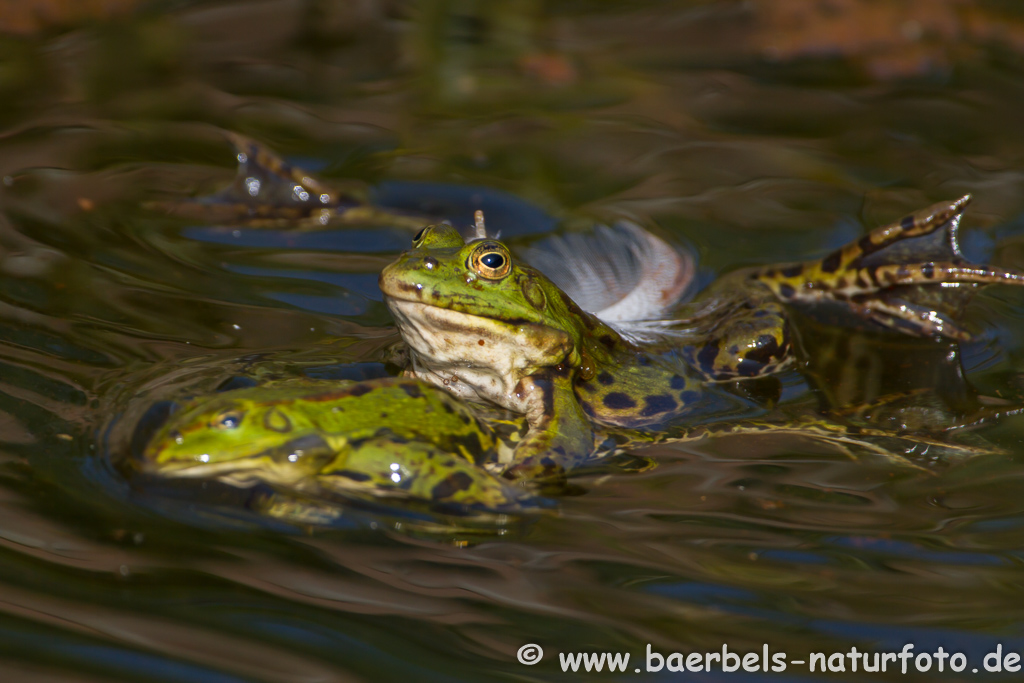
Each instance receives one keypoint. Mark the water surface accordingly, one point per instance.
(748, 132)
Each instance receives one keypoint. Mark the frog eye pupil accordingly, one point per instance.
(419, 235)
(493, 260)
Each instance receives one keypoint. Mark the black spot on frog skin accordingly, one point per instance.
(677, 382)
(786, 291)
(660, 403)
(830, 263)
(587, 408)
(547, 389)
(792, 271)
(471, 442)
(605, 378)
(866, 246)
(707, 356)
(907, 223)
(766, 349)
(619, 401)
(450, 485)
(359, 390)
(689, 397)
(413, 390)
(928, 270)
(354, 476)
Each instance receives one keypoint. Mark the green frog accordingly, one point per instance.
(489, 329)
(544, 385)
(392, 438)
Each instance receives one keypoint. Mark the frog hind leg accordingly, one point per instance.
(268, 192)
(851, 440)
(908, 276)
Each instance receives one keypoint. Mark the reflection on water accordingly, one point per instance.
(756, 132)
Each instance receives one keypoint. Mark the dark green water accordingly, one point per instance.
(726, 126)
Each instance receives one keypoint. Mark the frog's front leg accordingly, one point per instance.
(909, 276)
(560, 436)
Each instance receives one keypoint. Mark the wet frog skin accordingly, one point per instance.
(488, 329)
(392, 437)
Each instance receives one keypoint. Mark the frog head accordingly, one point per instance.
(477, 321)
(231, 436)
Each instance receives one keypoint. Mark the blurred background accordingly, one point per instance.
(748, 131)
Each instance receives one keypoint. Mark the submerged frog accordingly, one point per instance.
(398, 437)
(494, 332)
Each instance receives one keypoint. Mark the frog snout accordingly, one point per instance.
(394, 279)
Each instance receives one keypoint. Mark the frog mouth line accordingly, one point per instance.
(244, 472)
(439, 315)
(449, 318)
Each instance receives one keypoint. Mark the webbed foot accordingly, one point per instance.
(908, 276)
(268, 192)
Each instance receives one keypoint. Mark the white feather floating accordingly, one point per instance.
(623, 274)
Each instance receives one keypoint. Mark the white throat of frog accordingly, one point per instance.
(470, 356)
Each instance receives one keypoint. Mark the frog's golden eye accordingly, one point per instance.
(229, 419)
(491, 260)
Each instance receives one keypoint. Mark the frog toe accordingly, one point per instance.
(908, 318)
